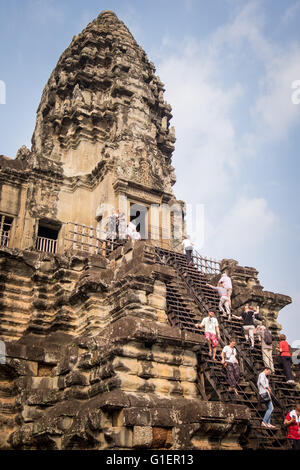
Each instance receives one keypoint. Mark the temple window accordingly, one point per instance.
(5, 228)
(47, 237)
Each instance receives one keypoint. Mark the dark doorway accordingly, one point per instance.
(47, 236)
(47, 232)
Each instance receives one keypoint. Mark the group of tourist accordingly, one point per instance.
(292, 419)
(252, 325)
(117, 229)
(116, 226)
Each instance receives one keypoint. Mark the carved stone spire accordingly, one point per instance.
(103, 102)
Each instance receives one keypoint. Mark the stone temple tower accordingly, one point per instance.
(98, 343)
(103, 109)
(102, 141)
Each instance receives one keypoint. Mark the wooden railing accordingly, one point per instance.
(206, 265)
(202, 264)
(46, 245)
(85, 238)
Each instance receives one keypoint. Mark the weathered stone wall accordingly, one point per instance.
(102, 133)
(91, 358)
(96, 363)
(131, 387)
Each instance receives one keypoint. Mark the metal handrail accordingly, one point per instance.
(202, 304)
(204, 264)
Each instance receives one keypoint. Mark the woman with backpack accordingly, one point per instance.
(266, 346)
(285, 358)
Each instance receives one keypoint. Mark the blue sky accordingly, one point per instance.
(228, 67)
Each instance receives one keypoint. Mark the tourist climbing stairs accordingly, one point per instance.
(212, 374)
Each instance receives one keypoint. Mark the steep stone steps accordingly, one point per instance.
(9, 409)
(213, 371)
(15, 304)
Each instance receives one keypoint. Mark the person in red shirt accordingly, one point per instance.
(292, 421)
(285, 358)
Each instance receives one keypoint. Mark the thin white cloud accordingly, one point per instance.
(274, 106)
(202, 108)
(210, 147)
(204, 103)
(245, 29)
(292, 12)
(273, 111)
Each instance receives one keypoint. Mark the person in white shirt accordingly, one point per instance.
(130, 229)
(121, 225)
(135, 235)
(211, 331)
(224, 299)
(227, 284)
(265, 395)
(229, 360)
(188, 249)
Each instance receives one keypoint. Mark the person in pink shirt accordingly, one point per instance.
(224, 299)
(227, 284)
(211, 332)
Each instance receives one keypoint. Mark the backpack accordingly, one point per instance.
(268, 337)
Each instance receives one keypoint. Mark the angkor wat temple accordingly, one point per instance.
(101, 349)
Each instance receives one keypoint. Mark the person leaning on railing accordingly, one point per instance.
(224, 299)
(248, 316)
(227, 284)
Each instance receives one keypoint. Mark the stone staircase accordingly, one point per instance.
(40, 295)
(212, 375)
(16, 293)
(51, 310)
(8, 406)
